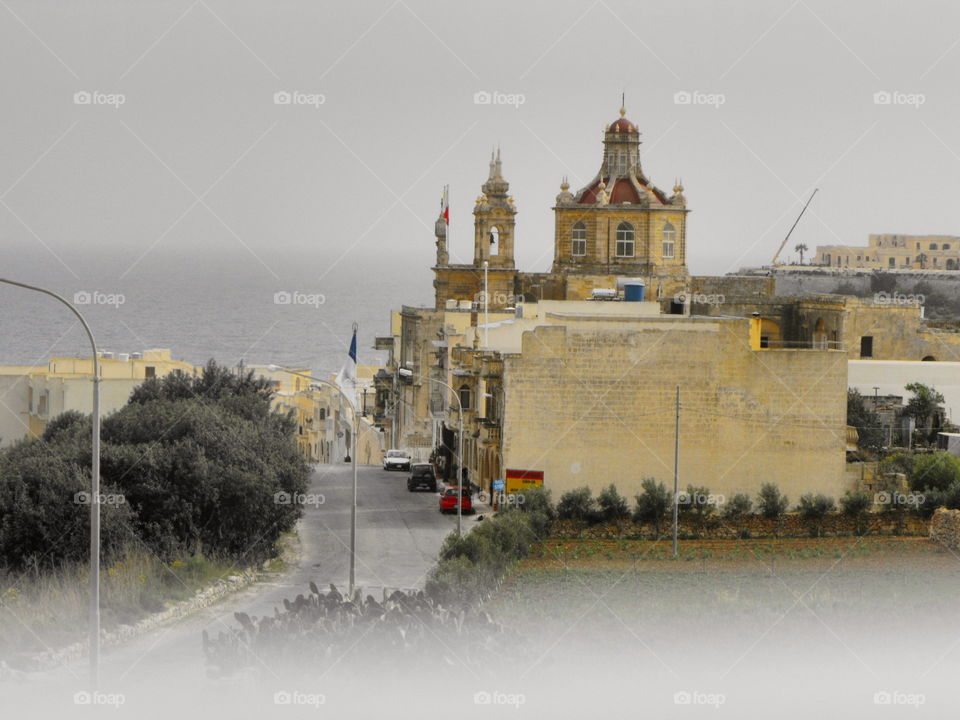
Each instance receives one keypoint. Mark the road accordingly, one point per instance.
(398, 536)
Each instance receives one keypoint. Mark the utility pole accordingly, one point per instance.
(676, 473)
(486, 304)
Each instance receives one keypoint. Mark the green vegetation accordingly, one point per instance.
(612, 505)
(771, 503)
(866, 421)
(813, 509)
(653, 504)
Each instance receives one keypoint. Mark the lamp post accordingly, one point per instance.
(353, 460)
(409, 373)
(95, 490)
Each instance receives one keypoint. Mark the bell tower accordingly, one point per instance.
(494, 220)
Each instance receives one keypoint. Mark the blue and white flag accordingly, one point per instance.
(347, 377)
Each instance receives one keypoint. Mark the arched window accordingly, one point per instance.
(669, 240)
(946, 246)
(323, 413)
(465, 397)
(625, 240)
(933, 246)
(578, 236)
(494, 240)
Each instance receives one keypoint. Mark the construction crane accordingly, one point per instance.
(784, 243)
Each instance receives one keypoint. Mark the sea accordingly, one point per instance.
(231, 308)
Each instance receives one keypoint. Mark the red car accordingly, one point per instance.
(448, 500)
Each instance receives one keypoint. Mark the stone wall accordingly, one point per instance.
(945, 528)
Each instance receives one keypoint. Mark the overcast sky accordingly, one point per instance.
(200, 157)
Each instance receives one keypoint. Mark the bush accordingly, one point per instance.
(578, 504)
(697, 504)
(771, 503)
(855, 505)
(933, 499)
(740, 504)
(936, 471)
(813, 509)
(613, 506)
(537, 506)
(653, 504)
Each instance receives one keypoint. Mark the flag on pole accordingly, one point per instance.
(347, 377)
(445, 204)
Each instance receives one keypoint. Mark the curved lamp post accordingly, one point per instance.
(403, 372)
(95, 490)
(353, 458)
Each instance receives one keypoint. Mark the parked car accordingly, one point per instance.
(422, 475)
(396, 460)
(448, 500)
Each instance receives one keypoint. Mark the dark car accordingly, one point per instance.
(422, 476)
(448, 501)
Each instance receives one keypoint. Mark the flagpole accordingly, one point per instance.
(353, 457)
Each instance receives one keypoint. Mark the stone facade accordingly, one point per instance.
(893, 252)
(593, 403)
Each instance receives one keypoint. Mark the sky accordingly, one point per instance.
(185, 152)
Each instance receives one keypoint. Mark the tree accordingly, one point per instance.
(855, 504)
(801, 248)
(924, 406)
(884, 282)
(653, 504)
(698, 504)
(866, 421)
(578, 504)
(771, 503)
(740, 504)
(922, 260)
(813, 509)
(613, 506)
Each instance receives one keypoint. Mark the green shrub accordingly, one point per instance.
(771, 503)
(653, 504)
(612, 505)
(855, 504)
(698, 504)
(578, 504)
(738, 506)
(813, 509)
(936, 471)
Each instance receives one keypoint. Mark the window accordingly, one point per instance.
(465, 397)
(624, 240)
(323, 413)
(621, 163)
(669, 240)
(579, 238)
(933, 246)
(946, 246)
(866, 346)
(494, 241)
(42, 405)
(150, 371)
(892, 262)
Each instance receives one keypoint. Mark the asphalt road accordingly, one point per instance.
(398, 536)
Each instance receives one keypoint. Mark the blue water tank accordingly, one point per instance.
(633, 292)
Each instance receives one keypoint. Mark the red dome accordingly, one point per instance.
(622, 125)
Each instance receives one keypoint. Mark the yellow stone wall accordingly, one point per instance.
(591, 405)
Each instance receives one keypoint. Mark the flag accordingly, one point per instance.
(347, 377)
(445, 204)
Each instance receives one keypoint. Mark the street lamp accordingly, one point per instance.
(95, 491)
(403, 372)
(353, 459)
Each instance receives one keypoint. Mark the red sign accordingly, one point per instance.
(519, 480)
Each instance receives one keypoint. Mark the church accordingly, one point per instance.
(619, 226)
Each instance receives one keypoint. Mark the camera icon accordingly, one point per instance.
(682, 697)
(282, 97)
(282, 298)
(682, 97)
(482, 97)
(482, 698)
(882, 97)
(82, 98)
(882, 698)
(81, 498)
(282, 498)
(82, 298)
(684, 498)
(882, 498)
(282, 697)
(82, 698)
(680, 299)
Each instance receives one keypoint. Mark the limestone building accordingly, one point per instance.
(895, 252)
(620, 225)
